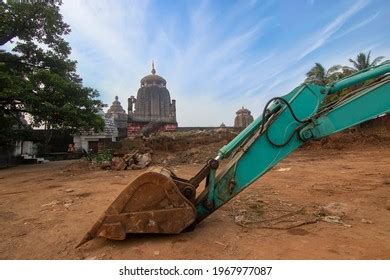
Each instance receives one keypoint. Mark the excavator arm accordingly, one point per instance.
(160, 202)
(289, 122)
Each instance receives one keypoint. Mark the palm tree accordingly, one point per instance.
(363, 61)
(320, 76)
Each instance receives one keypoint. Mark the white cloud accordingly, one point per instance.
(211, 73)
(326, 33)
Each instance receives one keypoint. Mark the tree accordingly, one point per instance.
(363, 61)
(320, 76)
(37, 77)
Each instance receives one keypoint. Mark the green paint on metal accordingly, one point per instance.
(358, 78)
(250, 129)
(364, 106)
(257, 153)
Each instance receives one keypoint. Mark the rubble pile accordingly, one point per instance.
(131, 161)
(194, 146)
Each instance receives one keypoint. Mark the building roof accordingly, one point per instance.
(243, 110)
(116, 107)
(153, 78)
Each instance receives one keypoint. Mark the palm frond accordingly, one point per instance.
(386, 61)
(377, 60)
(334, 68)
(355, 64)
(368, 59)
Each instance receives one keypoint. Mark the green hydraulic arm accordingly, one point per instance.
(160, 202)
(286, 124)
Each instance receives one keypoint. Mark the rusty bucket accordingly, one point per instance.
(152, 203)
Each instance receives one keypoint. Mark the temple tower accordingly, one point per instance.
(243, 118)
(152, 105)
(118, 114)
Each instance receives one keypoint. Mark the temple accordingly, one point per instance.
(243, 118)
(118, 114)
(152, 105)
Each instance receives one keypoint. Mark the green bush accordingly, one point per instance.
(103, 156)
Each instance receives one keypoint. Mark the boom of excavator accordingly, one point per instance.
(160, 202)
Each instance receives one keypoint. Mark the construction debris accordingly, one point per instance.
(283, 169)
(334, 209)
(131, 161)
(51, 203)
(334, 220)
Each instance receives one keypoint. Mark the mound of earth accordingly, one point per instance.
(174, 148)
(197, 146)
(374, 133)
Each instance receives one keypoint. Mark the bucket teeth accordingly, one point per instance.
(152, 203)
(85, 239)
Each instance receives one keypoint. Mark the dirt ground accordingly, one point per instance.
(46, 209)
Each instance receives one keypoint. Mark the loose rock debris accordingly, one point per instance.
(273, 215)
(51, 203)
(131, 161)
(289, 191)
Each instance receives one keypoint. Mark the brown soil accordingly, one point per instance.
(197, 146)
(46, 209)
(167, 149)
(288, 214)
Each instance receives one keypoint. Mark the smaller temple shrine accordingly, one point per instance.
(118, 114)
(243, 118)
(153, 106)
(92, 141)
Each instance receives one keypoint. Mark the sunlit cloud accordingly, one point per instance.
(216, 56)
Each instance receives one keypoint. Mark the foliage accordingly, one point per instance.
(37, 79)
(320, 76)
(103, 156)
(363, 61)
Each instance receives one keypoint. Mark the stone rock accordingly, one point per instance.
(365, 221)
(335, 220)
(134, 160)
(284, 169)
(335, 209)
(69, 190)
(143, 160)
(140, 161)
(117, 163)
(67, 205)
(52, 203)
(239, 218)
(105, 165)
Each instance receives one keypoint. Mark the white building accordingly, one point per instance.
(95, 141)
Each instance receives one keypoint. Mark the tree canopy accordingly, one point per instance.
(363, 61)
(37, 77)
(319, 75)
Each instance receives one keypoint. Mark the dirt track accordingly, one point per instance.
(46, 209)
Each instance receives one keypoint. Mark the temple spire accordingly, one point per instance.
(153, 70)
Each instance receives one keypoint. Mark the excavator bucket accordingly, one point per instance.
(152, 203)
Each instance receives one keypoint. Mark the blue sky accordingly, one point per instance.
(218, 55)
